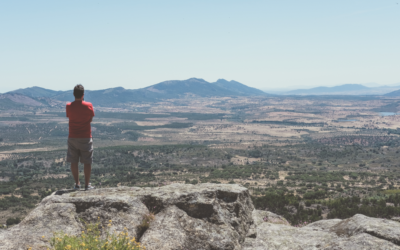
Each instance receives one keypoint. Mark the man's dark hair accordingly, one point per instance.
(78, 91)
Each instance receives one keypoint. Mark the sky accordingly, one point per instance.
(134, 44)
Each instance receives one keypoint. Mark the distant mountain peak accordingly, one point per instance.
(195, 79)
(221, 80)
(238, 87)
(119, 88)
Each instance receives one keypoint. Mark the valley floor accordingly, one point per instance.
(314, 152)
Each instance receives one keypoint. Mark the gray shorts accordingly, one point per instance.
(80, 150)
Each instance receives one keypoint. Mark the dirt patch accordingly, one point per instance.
(16, 151)
(55, 176)
(9, 195)
(146, 139)
(5, 156)
(151, 123)
(282, 175)
(241, 160)
(4, 178)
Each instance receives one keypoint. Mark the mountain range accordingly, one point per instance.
(193, 87)
(345, 89)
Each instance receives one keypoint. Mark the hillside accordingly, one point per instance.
(393, 94)
(35, 92)
(192, 87)
(238, 87)
(12, 101)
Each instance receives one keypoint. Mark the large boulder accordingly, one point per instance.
(280, 236)
(175, 229)
(204, 216)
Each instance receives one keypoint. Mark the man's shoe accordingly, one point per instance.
(77, 187)
(89, 187)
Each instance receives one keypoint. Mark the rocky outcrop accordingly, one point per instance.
(381, 228)
(205, 216)
(357, 232)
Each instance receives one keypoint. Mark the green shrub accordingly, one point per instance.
(12, 221)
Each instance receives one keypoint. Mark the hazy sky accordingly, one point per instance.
(134, 44)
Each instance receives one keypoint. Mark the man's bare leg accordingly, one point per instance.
(75, 172)
(87, 170)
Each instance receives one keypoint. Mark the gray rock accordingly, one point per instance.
(217, 213)
(215, 203)
(381, 228)
(361, 241)
(279, 236)
(323, 225)
(261, 216)
(174, 229)
(283, 237)
(396, 219)
(42, 221)
(318, 235)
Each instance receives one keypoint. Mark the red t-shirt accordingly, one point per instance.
(80, 114)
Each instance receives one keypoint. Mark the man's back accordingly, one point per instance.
(80, 143)
(80, 114)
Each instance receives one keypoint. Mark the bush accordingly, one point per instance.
(315, 195)
(255, 153)
(91, 239)
(12, 221)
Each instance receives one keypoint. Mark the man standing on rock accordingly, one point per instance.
(80, 143)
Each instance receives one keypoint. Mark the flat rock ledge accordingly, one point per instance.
(193, 217)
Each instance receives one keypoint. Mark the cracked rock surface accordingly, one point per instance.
(357, 232)
(193, 217)
(204, 216)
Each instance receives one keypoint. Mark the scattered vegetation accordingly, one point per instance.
(305, 158)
